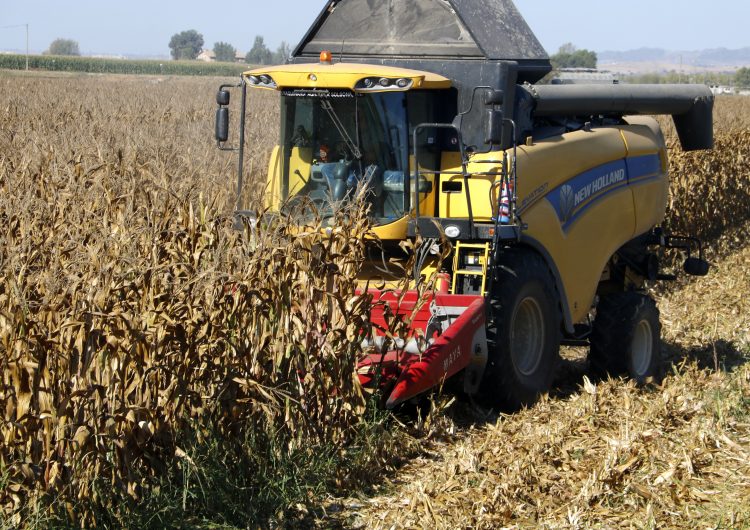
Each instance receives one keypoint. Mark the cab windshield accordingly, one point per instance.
(334, 142)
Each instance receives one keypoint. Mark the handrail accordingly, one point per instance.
(241, 154)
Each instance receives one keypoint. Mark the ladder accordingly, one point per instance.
(479, 270)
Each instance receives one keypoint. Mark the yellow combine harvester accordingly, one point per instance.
(550, 195)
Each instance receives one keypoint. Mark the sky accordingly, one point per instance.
(140, 27)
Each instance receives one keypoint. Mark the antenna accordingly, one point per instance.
(341, 53)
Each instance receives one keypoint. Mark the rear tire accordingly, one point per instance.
(626, 337)
(525, 341)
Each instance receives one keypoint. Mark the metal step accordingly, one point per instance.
(459, 251)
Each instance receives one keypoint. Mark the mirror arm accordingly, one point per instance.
(222, 130)
(241, 149)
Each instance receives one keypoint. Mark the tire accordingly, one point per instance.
(626, 338)
(525, 340)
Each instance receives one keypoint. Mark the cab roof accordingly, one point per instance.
(342, 75)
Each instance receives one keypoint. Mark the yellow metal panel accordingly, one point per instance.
(343, 75)
(300, 161)
(273, 195)
(548, 163)
(650, 202)
(396, 230)
(454, 204)
(581, 252)
(643, 137)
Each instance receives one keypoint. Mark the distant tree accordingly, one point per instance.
(186, 45)
(224, 52)
(282, 53)
(567, 49)
(568, 56)
(742, 78)
(259, 53)
(63, 47)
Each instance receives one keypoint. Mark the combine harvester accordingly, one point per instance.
(551, 196)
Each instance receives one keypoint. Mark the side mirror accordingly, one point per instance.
(696, 267)
(222, 124)
(493, 132)
(222, 97)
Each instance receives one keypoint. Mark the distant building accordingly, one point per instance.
(210, 57)
(718, 90)
(722, 90)
(583, 76)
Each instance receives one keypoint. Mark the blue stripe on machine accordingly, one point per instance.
(572, 198)
(582, 191)
(643, 168)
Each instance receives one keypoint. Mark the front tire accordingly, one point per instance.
(626, 337)
(525, 340)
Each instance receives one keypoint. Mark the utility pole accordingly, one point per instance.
(27, 38)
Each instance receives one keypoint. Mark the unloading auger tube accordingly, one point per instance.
(691, 106)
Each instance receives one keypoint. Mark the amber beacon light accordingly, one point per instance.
(326, 57)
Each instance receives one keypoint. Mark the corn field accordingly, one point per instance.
(95, 65)
(711, 190)
(132, 313)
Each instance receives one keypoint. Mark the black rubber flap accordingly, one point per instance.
(472, 29)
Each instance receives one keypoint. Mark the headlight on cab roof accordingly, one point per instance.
(382, 84)
(261, 80)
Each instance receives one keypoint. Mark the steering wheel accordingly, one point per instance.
(314, 177)
(342, 148)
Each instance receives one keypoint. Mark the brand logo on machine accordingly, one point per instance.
(595, 186)
(452, 358)
(316, 93)
(579, 193)
(567, 203)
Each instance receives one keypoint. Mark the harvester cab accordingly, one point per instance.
(550, 197)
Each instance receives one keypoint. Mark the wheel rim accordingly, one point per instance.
(527, 336)
(641, 349)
